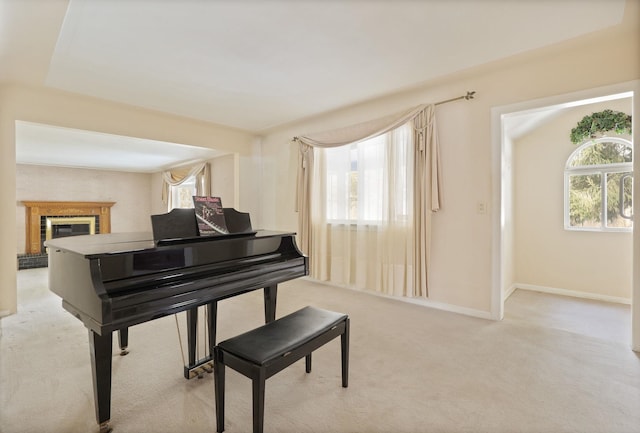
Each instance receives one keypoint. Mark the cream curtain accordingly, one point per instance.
(427, 192)
(326, 243)
(177, 176)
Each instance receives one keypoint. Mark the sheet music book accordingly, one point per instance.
(210, 216)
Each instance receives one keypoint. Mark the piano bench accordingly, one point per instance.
(264, 351)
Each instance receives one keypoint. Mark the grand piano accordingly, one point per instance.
(114, 281)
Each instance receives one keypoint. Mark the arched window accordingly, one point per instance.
(599, 186)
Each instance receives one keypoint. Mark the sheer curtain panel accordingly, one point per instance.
(365, 197)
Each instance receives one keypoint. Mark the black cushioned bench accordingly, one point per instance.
(264, 351)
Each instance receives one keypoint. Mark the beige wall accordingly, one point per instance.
(68, 110)
(462, 244)
(130, 192)
(224, 179)
(546, 255)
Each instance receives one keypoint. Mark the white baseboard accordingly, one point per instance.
(4, 313)
(510, 291)
(573, 293)
(425, 302)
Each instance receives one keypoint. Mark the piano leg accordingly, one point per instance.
(192, 334)
(212, 312)
(100, 347)
(270, 294)
(123, 340)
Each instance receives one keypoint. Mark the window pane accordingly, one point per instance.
(603, 153)
(182, 195)
(353, 195)
(371, 163)
(614, 216)
(585, 200)
(342, 178)
(370, 181)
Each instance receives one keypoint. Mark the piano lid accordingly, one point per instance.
(106, 243)
(91, 246)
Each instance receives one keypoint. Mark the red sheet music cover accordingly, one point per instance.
(210, 216)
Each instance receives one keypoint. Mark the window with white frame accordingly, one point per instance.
(599, 186)
(369, 182)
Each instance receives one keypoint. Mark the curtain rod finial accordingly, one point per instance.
(470, 95)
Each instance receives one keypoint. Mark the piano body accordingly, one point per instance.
(114, 281)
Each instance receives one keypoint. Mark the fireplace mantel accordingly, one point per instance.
(36, 209)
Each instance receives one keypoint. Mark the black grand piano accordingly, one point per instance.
(114, 281)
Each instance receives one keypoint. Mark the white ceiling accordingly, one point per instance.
(65, 147)
(257, 64)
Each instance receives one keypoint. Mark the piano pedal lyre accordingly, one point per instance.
(105, 427)
(199, 370)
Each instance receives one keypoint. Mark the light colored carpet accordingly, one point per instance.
(606, 320)
(413, 369)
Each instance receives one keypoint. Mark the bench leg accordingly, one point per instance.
(307, 363)
(344, 346)
(258, 384)
(218, 377)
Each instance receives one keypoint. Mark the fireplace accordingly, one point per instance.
(59, 227)
(51, 219)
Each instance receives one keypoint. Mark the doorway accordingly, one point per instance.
(510, 123)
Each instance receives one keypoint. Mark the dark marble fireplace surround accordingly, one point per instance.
(36, 217)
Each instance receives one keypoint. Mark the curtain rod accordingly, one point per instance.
(468, 96)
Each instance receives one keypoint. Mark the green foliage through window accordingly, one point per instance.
(607, 152)
(599, 185)
(585, 200)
